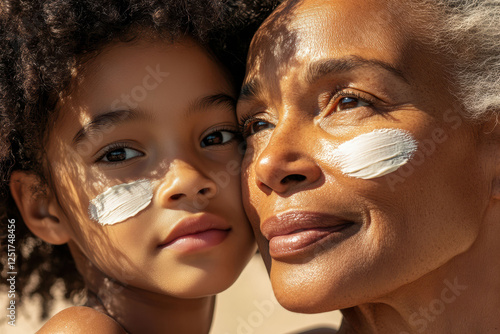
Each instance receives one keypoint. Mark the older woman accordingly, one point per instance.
(372, 174)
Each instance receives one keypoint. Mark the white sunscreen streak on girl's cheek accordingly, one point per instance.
(374, 154)
(121, 202)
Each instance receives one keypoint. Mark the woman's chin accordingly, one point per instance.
(298, 294)
(316, 302)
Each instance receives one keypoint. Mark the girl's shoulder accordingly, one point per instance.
(81, 319)
(322, 330)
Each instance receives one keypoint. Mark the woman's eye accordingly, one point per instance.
(252, 127)
(259, 126)
(347, 103)
(120, 154)
(218, 138)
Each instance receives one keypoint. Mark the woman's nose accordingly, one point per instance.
(286, 163)
(187, 185)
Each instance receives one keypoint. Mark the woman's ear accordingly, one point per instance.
(491, 133)
(41, 213)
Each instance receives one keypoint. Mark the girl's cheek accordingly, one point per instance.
(121, 202)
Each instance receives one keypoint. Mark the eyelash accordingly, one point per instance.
(341, 92)
(226, 129)
(334, 98)
(115, 146)
(235, 132)
(110, 148)
(244, 123)
(246, 120)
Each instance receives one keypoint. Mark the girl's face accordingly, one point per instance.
(145, 164)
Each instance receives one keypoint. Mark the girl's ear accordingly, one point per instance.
(41, 213)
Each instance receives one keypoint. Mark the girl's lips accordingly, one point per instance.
(197, 241)
(197, 232)
(295, 232)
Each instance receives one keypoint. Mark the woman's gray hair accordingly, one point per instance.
(470, 33)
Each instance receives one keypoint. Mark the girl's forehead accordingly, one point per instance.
(139, 59)
(128, 75)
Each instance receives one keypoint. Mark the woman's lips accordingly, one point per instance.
(196, 233)
(295, 232)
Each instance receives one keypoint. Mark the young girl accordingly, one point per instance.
(119, 143)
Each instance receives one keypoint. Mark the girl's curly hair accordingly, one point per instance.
(41, 42)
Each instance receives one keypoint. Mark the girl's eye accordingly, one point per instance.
(348, 102)
(218, 138)
(120, 155)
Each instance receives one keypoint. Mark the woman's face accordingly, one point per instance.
(145, 162)
(360, 176)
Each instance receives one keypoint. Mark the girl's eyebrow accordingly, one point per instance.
(209, 101)
(107, 120)
(110, 119)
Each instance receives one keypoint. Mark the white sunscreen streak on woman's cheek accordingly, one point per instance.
(121, 202)
(374, 154)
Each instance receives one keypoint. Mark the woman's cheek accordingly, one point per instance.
(370, 155)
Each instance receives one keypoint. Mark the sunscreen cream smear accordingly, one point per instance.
(121, 202)
(375, 154)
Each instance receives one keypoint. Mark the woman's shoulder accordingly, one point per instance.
(81, 319)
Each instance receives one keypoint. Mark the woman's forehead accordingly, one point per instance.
(313, 30)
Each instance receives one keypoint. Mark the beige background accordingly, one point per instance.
(248, 307)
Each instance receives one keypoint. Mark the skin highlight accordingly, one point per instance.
(379, 250)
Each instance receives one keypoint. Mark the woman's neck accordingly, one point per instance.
(141, 311)
(462, 296)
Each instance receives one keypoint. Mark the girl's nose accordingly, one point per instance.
(187, 185)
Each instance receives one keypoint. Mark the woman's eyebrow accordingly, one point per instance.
(106, 120)
(250, 89)
(323, 67)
